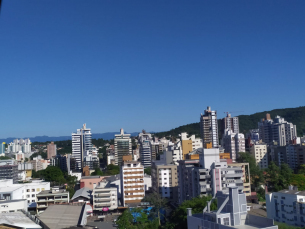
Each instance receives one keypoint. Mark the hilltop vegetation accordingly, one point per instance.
(247, 122)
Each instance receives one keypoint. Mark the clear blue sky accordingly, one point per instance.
(151, 65)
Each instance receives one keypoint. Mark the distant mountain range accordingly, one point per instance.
(105, 136)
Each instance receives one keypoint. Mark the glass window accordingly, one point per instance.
(38, 189)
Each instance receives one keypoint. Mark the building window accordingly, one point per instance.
(42, 189)
(33, 190)
(33, 195)
(38, 189)
(28, 190)
(226, 221)
(33, 201)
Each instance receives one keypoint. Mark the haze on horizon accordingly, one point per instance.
(145, 65)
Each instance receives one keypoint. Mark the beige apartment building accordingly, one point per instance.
(165, 180)
(51, 150)
(132, 182)
(259, 151)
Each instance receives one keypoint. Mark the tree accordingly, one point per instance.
(53, 174)
(4, 158)
(147, 171)
(256, 174)
(125, 221)
(97, 172)
(298, 180)
(112, 169)
(179, 216)
(278, 178)
(158, 202)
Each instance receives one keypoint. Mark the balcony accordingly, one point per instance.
(101, 195)
(102, 200)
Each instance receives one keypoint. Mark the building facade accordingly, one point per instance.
(165, 180)
(233, 143)
(209, 128)
(9, 172)
(51, 150)
(229, 123)
(132, 182)
(259, 151)
(105, 197)
(122, 146)
(287, 206)
(81, 144)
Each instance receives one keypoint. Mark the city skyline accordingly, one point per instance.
(136, 65)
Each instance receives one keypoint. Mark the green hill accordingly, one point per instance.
(247, 122)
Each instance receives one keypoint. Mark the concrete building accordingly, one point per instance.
(232, 212)
(165, 180)
(122, 146)
(207, 175)
(49, 197)
(246, 176)
(81, 143)
(229, 123)
(259, 151)
(23, 145)
(105, 197)
(189, 144)
(9, 172)
(233, 143)
(13, 205)
(90, 181)
(287, 206)
(39, 163)
(51, 150)
(10, 191)
(277, 131)
(172, 154)
(209, 128)
(145, 153)
(132, 182)
(293, 155)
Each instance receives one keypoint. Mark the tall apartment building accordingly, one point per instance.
(165, 180)
(146, 153)
(122, 146)
(209, 128)
(132, 182)
(81, 142)
(232, 212)
(172, 154)
(233, 143)
(293, 155)
(23, 145)
(189, 144)
(207, 175)
(2, 148)
(105, 196)
(287, 206)
(277, 131)
(51, 150)
(259, 151)
(229, 123)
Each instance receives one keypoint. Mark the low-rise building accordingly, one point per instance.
(13, 205)
(287, 206)
(17, 220)
(105, 196)
(90, 181)
(232, 212)
(50, 197)
(10, 191)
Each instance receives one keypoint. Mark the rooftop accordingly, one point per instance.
(83, 192)
(62, 216)
(46, 192)
(293, 192)
(91, 177)
(17, 219)
(10, 201)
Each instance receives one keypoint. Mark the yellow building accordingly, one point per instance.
(224, 156)
(187, 147)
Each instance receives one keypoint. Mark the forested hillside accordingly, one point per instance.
(247, 122)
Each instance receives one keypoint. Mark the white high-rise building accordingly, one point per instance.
(277, 131)
(259, 151)
(230, 123)
(23, 145)
(209, 128)
(146, 154)
(81, 145)
(233, 143)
